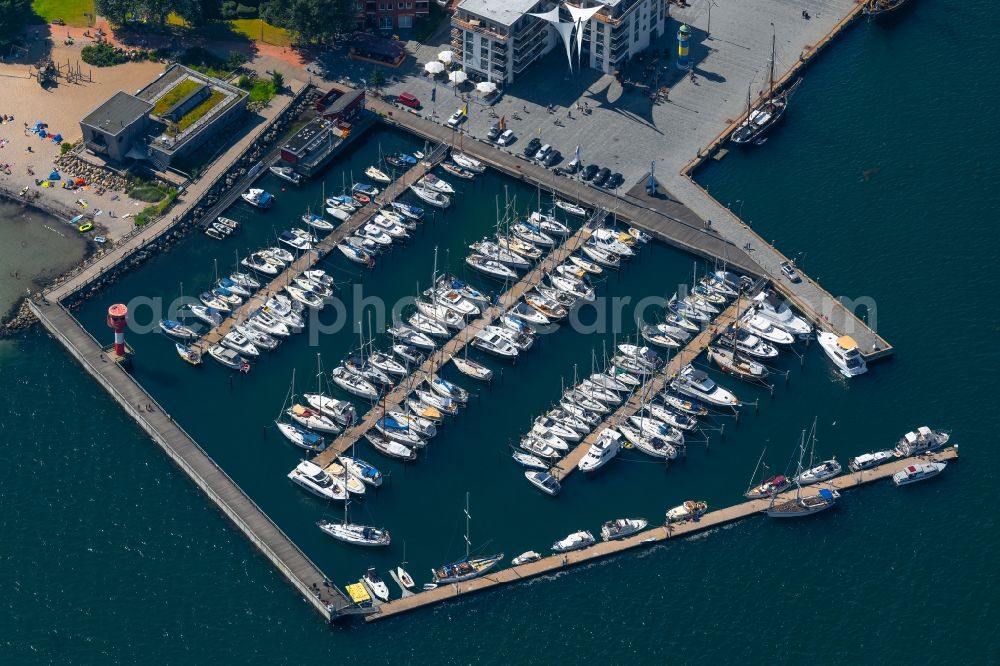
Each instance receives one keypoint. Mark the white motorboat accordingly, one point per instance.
(574, 287)
(532, 234)
(764, 329)
(591, 418)
(564, 417)
(226, 296)
(432, 182)
(264, 322)
(843, 351)
(338, 213)
(234, 287)
(639, 235)
(294, 241)
(621, 528)
(375, 233)
(746, 342)
(313, 479)
(286, 173)
(537, 448)
(301, 437)
(307, 298)
(278, 253)
(546, 306)
(399, 432)
(921, 441)
(654, 336)
(674, 319)
(340, 411)
(229, 358)
(375, 585)
(425, 428)
(355, 254)
(781, 315)
(394, 230)
(259, 263)
(258, 198)
(427, 325)
(440, 313)
(583, 400)
(571, 208)
(312, 286)
(378, 175)
(245, 280)
(353, 383)
(606, 447)
(429, 196)
(641, 355)
(697, 384)
(239, 343)
(685, 406)
(448, 389)
(605, 395)
(548, 224)
(654, 428)
(701, 305)
(549, 439)
(467, 162)
(441, 403)
(689, 510)
(413, 212)
(574, 541)
(607, 239)
(454, 300)
(490, 267)
(389, 448)
(655, 447)
(213, 302)
(543, 481)
(671, 418)
(544, 425)
(314, 420)
(316, 222)
(869, 460)
(521, 341)
(526, 558)
(918, 472)
(529, 315)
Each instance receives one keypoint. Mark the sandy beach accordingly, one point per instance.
(25, 157)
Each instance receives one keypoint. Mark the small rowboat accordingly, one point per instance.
(456, 170)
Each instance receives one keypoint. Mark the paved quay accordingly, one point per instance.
(327, 599)
(647, 538)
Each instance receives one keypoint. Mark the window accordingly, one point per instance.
(406, 21)
(385, 23)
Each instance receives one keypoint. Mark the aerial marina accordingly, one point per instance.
(411, 364)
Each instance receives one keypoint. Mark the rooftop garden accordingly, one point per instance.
(175, 95)
(198, 112)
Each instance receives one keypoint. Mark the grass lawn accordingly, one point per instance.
(70, 11)
(251, 28)
(179, 92)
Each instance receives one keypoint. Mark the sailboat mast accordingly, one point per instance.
(773, 39)
(467, 519)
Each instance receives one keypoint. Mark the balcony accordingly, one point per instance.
(476, 26)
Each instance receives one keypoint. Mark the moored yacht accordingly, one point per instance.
(843, 351)
(918, 472)
(600, 452)
(697, 384)
(621, 528)
(924, 439)
(311, 477)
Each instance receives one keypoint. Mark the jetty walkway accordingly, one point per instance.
(287, 558)
(321, 249)
(457, 343)
(649, 537)
(686, 354)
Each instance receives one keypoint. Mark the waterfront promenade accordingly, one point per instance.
(649, 537)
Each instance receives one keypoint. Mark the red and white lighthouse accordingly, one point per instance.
(117, 323)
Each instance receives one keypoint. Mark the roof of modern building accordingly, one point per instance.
(307, 139)
(502, 12)
(117, 113)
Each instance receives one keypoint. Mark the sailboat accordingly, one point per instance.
(358, 535)
(817, 473)
(468, 567)
(762, 118)
(178, 329)
(802, 505)
(296, 434)
(767, 487)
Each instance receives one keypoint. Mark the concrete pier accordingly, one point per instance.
(650, 537)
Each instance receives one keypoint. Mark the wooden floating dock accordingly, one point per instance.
(654, 386)
(321, 250)
(648, 537)
(456, 344)
(327, 599)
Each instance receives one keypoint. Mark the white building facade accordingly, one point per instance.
(497, 40)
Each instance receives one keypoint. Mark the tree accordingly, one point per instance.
(13, 15)
(278, 79)
(377, 79)
(115, 11)
(315, 20)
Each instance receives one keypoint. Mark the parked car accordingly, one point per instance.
(790, 272)
(615, 181)
(573, 166)
(532, 147)
(543, 152)
(553, 158)
(408, 99)
(602, 176)
(506, 138)
(590, 171)
(494, 132)
(456, 118)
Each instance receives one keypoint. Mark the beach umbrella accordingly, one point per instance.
(445, 56)
(434, 67)
(457, 77)
(57, 138)
(486, 87)
(54, 175)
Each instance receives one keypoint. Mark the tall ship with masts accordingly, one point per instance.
(761, 118)
(876, 7)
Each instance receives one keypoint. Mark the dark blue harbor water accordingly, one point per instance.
(110, 555)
